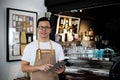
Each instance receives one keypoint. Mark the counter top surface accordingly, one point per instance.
(81, 70)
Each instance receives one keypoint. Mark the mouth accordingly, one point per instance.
(43, 33)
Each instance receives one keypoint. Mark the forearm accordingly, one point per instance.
(28, 68)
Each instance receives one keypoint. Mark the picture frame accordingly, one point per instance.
(21, 30)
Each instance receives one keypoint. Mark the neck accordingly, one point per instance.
(44, 39)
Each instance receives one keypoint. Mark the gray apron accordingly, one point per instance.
(44, 56)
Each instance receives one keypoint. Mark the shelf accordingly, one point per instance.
(90, 59)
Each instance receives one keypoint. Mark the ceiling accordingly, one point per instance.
(56, 6)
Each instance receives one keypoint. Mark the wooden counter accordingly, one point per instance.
(75, 76)
(85, 75)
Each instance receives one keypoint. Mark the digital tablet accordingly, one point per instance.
(57, 65)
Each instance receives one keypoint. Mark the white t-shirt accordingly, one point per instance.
(29, 52)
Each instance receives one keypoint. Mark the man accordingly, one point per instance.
(40, 56)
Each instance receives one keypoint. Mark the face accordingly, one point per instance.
(44, 29)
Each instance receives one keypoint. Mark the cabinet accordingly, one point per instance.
(67, 28)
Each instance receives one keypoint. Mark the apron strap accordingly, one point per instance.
(51, 47)
(38, 50)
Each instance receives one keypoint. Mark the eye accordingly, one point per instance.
(44, 27)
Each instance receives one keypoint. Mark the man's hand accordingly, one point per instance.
(45, 67)
(60, 69)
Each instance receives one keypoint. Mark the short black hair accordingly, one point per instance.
(43, 19)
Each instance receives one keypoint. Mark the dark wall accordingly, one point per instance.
(108, 23)
(54, 24)
(104, 16)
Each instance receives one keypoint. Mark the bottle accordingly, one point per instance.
(66, 39)
(101, 52)
(107, 55)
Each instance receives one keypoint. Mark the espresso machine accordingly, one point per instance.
(114, 73)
